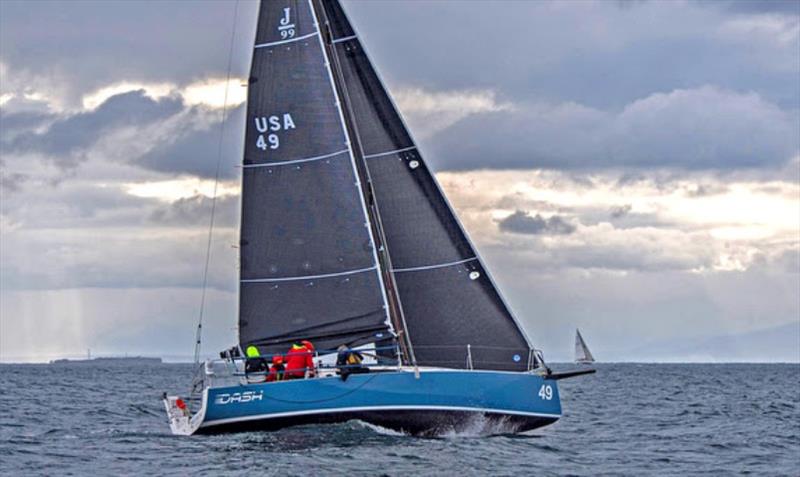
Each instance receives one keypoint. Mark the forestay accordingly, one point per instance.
(447, 296)
(308, 262)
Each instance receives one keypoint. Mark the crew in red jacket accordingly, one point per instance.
(298, 361)
(276, 371)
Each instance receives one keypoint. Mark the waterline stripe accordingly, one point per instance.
(295, 161)
(431, 267)
(282, 42)
(338, 40)
(307, 277)
(370, 156)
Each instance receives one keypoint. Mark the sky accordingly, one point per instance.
(629, 168)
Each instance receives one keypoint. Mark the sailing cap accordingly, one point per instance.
(252, 352)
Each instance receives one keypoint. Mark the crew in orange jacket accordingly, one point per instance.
(298, 361)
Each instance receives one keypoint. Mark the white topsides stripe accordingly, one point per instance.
(387, 153)
(296, 161)
(281, 42)
(430, 267)
(307, 277)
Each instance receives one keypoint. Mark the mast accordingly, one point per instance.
(376, 225)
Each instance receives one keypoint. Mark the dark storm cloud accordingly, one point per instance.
(86, 45)
(699, 129)
(522, 223)
(196, 151)
(15, 123)
(594, 53)
(196, 210)
(66, 138)
(783, 7)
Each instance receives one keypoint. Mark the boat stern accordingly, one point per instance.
(181, 421)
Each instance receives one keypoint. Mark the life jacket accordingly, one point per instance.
(298, 361)
(276, 373)
(354, 358)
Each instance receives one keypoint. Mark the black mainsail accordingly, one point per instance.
(447, 296)
(309, 267)
(346, 235)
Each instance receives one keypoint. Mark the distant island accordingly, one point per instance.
(110, 360)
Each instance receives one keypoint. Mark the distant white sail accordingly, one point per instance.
(582, 353)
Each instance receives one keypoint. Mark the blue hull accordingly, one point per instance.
(437, 401)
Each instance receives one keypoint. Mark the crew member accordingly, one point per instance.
(276, 371)
(255, 368)
(299, 361)
(349, 362)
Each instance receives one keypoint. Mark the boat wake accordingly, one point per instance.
(380, 430)
(478, 425)
(471, 426)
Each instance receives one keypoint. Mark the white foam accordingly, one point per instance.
(380, 430)
(478, 425)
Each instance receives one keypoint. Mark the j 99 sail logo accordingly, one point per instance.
(286, 27)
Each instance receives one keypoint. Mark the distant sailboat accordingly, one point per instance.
(582, 353)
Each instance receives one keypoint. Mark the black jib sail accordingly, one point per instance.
(309, 268)
(447, 297)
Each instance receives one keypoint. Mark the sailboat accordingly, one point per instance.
(346, 240)
(582, 353)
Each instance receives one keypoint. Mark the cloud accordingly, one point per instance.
(620, 211)
(664, 226)
(67, 140)
(196, 210)
(177, 42)
(782, 7)
(430, 112)
(696, 129)
(193, 147)
(522, 223)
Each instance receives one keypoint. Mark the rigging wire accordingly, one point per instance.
(198, 336)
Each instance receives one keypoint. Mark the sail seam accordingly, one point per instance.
(388, 153)
(431, 267)
(307, 277)
(339, 40)
(283, 42)
(296, 161)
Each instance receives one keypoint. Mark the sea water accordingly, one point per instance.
(628, 419)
